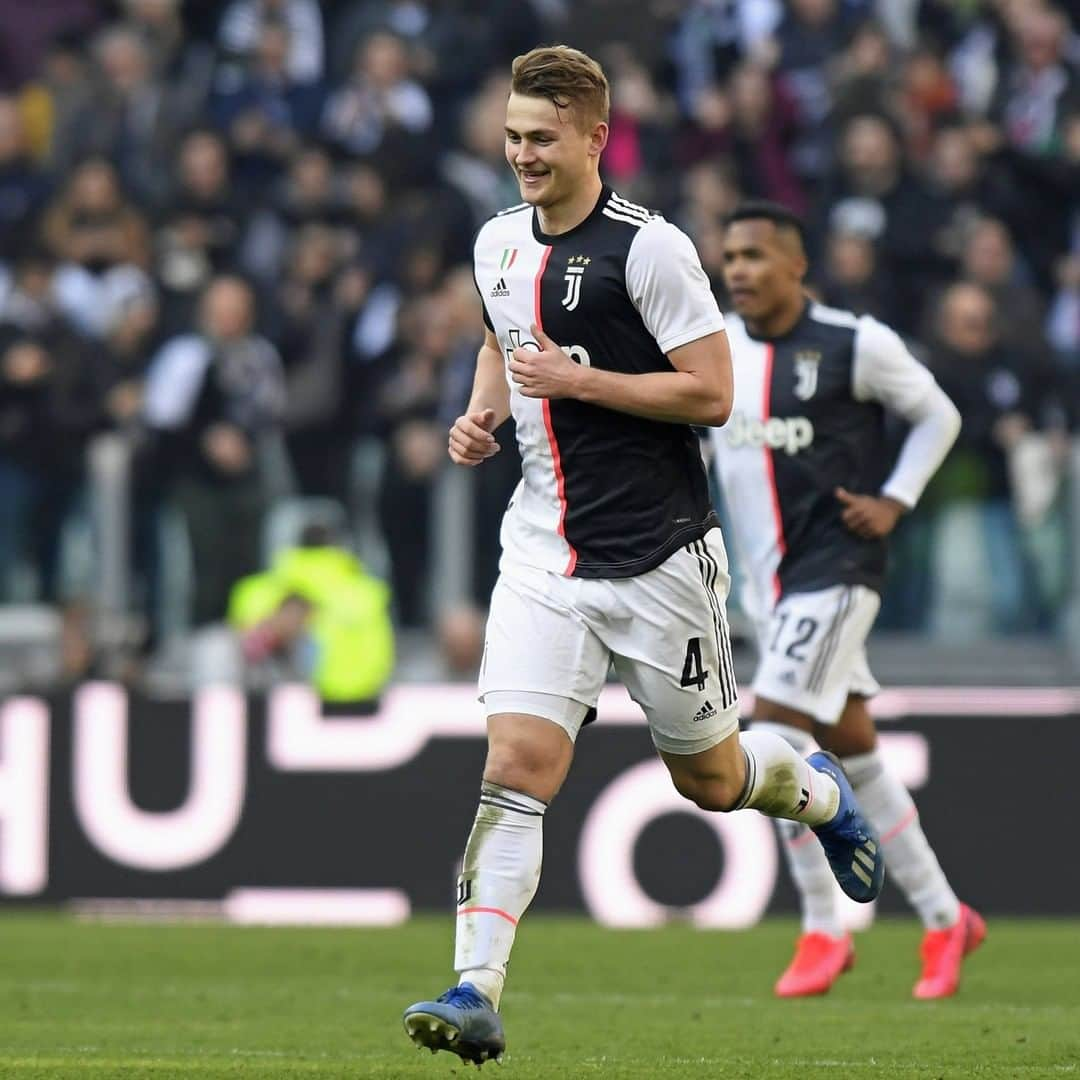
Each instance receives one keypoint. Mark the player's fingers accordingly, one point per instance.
(459, 458)
(844, 495)
(466, 446)
(468, 430)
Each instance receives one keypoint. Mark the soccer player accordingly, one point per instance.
(605, 342)
(801, 468)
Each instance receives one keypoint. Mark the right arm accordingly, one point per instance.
(471, 441)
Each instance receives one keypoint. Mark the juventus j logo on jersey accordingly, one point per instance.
(575, 267)
(807, 362)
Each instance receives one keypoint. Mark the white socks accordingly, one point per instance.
(499, 875)
(806, 861)
(780, 784)
(909, 859)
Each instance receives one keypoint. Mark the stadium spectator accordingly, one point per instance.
(132, 117)
(851, 279)
(763, 131)
(185, 64)
(52, 102)
(23, 186)
(310, 335)
(213, 398)
(309, 193)
(710, 36)
(319, 616)
(49, 405)
(380, 109)
(102, 241)
(873, 192)
(968, 187)
(266, 111)
(476, 165)
(241, 31)
(200, 228)
(809, 36)
(1001, 394)
(989, 259)
(408, 403)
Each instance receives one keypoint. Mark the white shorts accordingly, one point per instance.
(551, 639)
(812, 650)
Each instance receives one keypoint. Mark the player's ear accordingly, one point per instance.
(598, 138)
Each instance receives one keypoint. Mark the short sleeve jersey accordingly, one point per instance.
(809, 417)
(603, 494)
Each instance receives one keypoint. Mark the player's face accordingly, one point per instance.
(550, 155)
(762, 268)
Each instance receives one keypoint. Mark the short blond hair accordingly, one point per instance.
(568, 78)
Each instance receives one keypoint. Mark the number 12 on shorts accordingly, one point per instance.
(693, 674)
(802, 634)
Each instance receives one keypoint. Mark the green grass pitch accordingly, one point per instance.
(207, 1001)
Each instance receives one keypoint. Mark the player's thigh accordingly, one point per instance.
(854, 733)
(813, 655)
(672, 649)
(541, 656)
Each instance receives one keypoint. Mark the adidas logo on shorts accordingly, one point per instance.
(705, 712)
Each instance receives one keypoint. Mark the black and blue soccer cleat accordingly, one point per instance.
(851, 845)
(462, 1021)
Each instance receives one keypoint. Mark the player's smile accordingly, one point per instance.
(532, 177)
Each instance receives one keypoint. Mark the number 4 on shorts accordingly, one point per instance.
(693, 674)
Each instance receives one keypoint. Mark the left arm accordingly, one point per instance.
(885, 371)
(698, 391)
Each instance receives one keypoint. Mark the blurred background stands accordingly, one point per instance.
(236, 299)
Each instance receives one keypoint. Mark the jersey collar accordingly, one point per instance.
(542, 237)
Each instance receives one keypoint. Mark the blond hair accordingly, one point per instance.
(568, 78)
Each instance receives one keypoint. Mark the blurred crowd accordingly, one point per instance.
(235, 238)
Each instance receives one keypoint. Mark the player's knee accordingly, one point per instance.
(716, 793)
(525, 768)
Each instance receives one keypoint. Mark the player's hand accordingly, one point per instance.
(549, 373)
(471, 441)
(869, 516)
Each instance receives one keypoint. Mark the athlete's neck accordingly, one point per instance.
(571, 211)
(781, 319)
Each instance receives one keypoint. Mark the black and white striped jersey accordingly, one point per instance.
(603, 494)
(809, 417)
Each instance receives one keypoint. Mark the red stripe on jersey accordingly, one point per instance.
(556, 458)
(766, 411)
